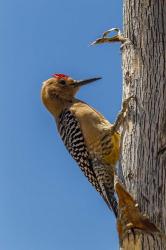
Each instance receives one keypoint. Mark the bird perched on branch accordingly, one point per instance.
(91, 140)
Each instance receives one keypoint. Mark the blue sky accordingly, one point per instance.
(46, 203)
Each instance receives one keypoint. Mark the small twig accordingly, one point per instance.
(129, 215)
(105, 39)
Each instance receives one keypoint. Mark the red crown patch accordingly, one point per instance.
(59, 75)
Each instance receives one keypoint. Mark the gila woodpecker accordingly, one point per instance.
(85, 132)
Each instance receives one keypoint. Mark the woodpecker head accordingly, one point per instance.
(61, 88)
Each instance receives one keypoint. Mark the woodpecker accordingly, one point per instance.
(87, 135)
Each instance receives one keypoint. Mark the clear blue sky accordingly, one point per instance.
(46, 202)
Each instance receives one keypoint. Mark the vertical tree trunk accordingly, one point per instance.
(143, 157)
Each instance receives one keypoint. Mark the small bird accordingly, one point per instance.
(85, 132)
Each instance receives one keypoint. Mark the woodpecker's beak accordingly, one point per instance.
(80, 83)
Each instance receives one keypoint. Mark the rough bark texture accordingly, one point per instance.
(144, 136)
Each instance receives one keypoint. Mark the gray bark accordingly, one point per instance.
(143, 156)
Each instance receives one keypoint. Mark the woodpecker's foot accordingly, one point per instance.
(117, 38)
(121, 116)
(129, 215)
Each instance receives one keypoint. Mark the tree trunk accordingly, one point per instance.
(143, 156)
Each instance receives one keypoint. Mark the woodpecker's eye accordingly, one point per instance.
(62, 82)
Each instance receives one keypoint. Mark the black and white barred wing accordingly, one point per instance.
(93, 169)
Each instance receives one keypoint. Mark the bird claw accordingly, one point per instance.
(119, 37)
(121, 116)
